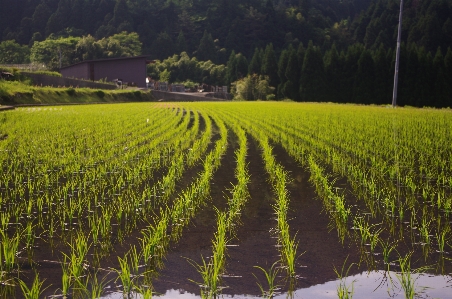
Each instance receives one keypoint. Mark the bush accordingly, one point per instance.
(49, 73)
(71, 91)
(252, 87)
(137, 94)
(100, 93)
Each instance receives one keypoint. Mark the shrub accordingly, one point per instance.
(100, 93)
(49, 73)
(252, 87)
(70, 91)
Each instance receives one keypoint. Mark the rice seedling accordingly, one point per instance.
(33, 292)
(66, 280)
(128, 272)
(93, 174)
(406, 278)
(96, 287)
(9, 247)
(344, 290)
(270, 277)
(441, 238)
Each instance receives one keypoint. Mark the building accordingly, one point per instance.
(129, 69)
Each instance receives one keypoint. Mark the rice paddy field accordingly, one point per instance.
(209, 200)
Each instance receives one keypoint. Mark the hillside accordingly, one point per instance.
(355, 40)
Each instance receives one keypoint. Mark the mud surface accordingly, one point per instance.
(255, 243)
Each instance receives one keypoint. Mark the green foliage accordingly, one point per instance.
(71, 91)
(251, 88)
(54, 53)
(181, 68)
(49, 73)
(312, 79)
(165, 76)
(206, 49)
(13, 53)
(270, 65)
(256, 61)
(66, 51)
(261, 32)
(100, 93)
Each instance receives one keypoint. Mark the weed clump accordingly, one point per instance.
(71, 91)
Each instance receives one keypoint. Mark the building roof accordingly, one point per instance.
(112, 59)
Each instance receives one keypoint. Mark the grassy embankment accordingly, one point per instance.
(20, 91)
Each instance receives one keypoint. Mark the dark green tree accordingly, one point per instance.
(40, 17)
(365, 77)
(270, 66)
(282, 66)
(292, 74)
(241, 66)
(382, 83)
(163, 46)
(448, 74)
(13, 53)
(206, 49)
(181, 43)
(441, 85)
(349, 71)
(231, 66)
(425, 77)
(332, 74)
(256, 62)
(312, 79)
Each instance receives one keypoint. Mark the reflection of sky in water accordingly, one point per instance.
(371, 285)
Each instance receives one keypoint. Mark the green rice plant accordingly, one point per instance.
(128, 273)
(209, 283)
(145, 292)
(441, 238)
(125, 276)
(66, 281)
(405, 276)
(211, 271)
(9, 247)
(35, 291)
(424, 231)
(387, 248)
(344, 290)
(270, 277)
(74, 264)
(374, 239)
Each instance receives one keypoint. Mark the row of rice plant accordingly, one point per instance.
(388, 201)
(82, 208)
(379, 173)
(212, 268)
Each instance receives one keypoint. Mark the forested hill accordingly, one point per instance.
(166, 27)
(355, 40)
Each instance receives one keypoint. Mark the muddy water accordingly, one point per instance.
(255, 244)
(196, 240)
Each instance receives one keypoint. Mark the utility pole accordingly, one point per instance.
(396, 73)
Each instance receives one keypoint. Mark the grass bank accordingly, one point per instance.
(20, 91)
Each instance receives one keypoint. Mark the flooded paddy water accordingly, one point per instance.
(330, 254)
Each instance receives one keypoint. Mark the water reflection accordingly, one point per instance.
(372, 285)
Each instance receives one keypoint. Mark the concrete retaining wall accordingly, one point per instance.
(45, 80)
(189, 97)
(4, 108)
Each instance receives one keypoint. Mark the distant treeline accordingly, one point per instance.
(212, 29)
(305, 73)
(310, 50)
